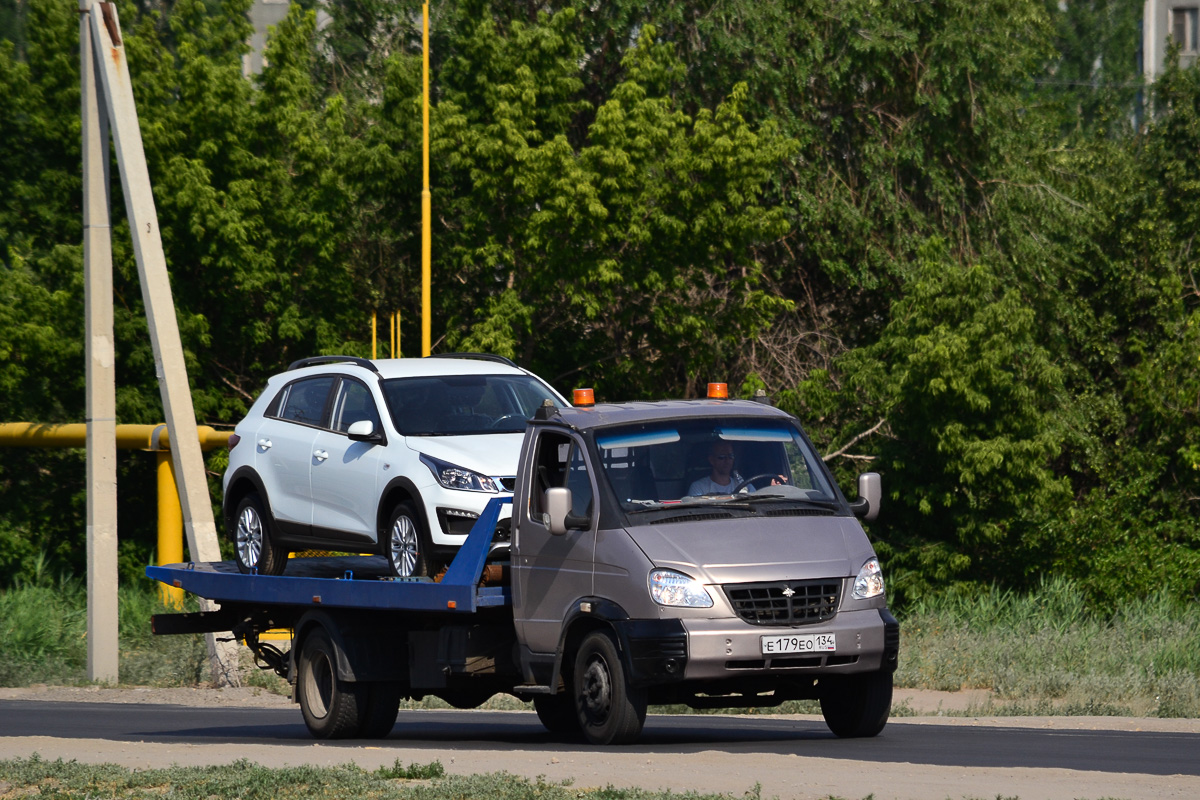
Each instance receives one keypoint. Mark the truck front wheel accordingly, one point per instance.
(857, 706)
(557, 713)
(332, 708)
(608, 709)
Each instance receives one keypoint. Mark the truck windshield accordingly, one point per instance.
(723, 461)
(460, 405)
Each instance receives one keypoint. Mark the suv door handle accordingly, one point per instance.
(265, 444)
(320, 455)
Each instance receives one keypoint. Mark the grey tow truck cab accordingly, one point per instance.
(766, 593)
(692, 552)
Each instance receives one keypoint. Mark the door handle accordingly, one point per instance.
(265, 444)
(320, 455)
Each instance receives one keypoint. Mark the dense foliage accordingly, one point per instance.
(955, 238)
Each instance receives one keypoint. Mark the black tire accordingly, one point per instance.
(406, 544)
(383, 704)
(332, 708)
(857, 706)
(557, 713)
(253, 541)
(607, 709)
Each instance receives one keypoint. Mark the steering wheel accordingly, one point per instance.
(498, 420)
(753, 478)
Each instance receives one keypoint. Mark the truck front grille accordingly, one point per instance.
(785, 602)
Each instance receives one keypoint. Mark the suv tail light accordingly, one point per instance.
(233, 440)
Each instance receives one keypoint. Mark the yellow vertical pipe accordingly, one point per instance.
(426, 204)
(373, 319)
(170, 525)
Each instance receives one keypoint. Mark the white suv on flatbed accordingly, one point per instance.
(396, 457)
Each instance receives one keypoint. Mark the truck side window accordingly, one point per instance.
(579, 484)
(558, 461)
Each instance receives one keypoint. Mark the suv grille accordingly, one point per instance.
(508, 483)
(771, 604)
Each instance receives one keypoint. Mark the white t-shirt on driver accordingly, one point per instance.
(707, 485)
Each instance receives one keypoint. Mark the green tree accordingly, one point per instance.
(630, 253)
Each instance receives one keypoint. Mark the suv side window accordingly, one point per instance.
(353, 404)
(304, 401)
(559, 461)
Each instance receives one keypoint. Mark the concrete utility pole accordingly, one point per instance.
(101, 22)
(101, 381)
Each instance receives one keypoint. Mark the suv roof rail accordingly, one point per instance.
(312, 361)
(477, 357)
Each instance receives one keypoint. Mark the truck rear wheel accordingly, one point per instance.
(383, 703)
(857, 706)
(607, 708)
(332, 708)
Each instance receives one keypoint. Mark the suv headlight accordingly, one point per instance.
(869, 582)
(670, 588)
(453, 476)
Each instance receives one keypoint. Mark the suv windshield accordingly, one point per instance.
(457, 405)
(707, 462)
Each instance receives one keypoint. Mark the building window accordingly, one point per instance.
(1184, 23)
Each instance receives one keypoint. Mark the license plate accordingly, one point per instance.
(806, 643)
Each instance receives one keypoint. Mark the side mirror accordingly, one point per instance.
(870, 495)
(364, 431)
(558, 517)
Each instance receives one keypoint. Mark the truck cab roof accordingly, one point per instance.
(605, 414)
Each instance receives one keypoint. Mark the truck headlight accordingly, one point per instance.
(869, 582)
(453, 476)
(670, 588)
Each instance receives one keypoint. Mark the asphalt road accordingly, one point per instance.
(1113, 751)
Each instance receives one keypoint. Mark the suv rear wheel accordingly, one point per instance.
(253, 546)
(407, 547)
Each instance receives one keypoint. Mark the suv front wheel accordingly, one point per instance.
(407, 547)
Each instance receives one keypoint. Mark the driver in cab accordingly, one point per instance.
(723, 479)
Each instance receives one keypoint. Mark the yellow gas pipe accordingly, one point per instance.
(129, 437)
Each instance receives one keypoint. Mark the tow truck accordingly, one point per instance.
(611, 586)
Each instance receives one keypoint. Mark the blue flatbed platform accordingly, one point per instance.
(361, 582)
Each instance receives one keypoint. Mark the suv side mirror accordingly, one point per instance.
(870, 494)
(558, 517)
(364, 431)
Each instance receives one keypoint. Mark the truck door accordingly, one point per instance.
(551, 572)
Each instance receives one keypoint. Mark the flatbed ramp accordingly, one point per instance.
(361, 582)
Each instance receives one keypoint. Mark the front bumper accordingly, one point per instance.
(866, 641)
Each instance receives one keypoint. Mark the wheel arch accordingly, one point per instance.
(245, 481)
(399, 490)
(587, 615)
(370, 647)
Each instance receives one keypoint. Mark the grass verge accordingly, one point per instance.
(70, 780)
(1046, 653)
